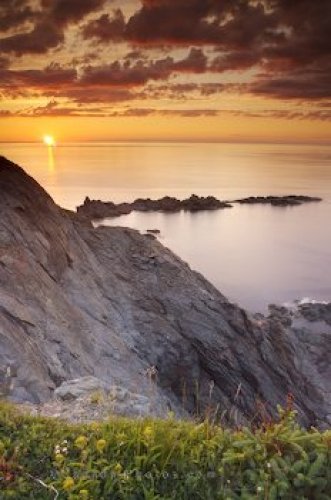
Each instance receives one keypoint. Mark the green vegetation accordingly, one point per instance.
(160, 459)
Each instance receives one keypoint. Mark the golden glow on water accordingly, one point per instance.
(253, 254)
(125, 171)
(51, 159)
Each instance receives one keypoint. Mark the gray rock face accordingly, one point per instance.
(73, 389)
(88, 398)
(90, 407)
(112, 304)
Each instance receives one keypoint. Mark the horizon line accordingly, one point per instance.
(325, 142)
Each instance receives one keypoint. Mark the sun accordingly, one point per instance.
(49, 140)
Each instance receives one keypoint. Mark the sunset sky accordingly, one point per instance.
(213, 70)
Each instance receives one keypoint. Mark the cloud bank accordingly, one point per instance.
(163, 49)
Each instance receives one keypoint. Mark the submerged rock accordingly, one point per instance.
(109, 303)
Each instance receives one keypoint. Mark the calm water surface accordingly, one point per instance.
(254, 254)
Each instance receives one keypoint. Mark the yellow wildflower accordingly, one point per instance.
(101, 444)
(68, 483)
(95, 426)
(84, 494)
(81, 442)
(148, 432)
(118, 468)
(59, 458)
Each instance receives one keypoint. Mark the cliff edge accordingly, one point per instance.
(114, 305)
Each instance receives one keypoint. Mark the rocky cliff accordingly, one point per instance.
(116, 305)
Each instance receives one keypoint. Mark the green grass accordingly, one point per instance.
(160, 459)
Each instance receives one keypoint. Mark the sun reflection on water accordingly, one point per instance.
(51, 159)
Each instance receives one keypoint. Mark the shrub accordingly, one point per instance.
(160, 459)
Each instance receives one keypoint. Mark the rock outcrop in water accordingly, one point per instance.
(96, 209)
(279, 201)
(110, 303)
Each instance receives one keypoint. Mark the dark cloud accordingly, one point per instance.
(180, 22)
(118, 74)
(45, 110)
(4, 62)
(280, 36)
(239, 60)
(185, 91)
(14, 13)
(195, 62)
(307, 37)
(286, 42)
(129, 74)
(55, 109)
(106, 28)
(299, 65)
(63, 12)
(43, 37)
(15, 83)
(294, 31)
(136, 54)
(172, 91)
(102, 95)
(230, 23)
(114, 82)
(309, 84)
(48, 29)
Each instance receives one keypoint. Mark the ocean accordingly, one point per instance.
(255, 255)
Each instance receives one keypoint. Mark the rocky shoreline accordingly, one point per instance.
(112, 304)
(279, 201)
(97, 209)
